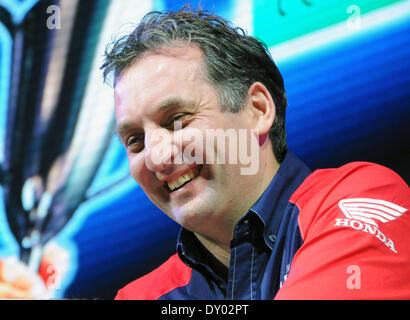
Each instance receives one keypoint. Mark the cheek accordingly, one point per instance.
(136, 166)
(143, 176)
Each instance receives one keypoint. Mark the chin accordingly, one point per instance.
(192, 217)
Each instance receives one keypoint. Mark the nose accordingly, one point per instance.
(160, 150)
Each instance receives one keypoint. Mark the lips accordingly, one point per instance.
(183, 179)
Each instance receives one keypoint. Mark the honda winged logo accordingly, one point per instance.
(369, 210)
(365, 214)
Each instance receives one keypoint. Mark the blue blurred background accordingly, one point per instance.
(346, 66)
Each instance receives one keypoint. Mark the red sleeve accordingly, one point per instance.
(170, 275)
(355, 225)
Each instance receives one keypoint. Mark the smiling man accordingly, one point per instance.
(211, 201)
(185, 78)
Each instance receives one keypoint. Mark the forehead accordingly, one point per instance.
(187, 60)
(166, 69)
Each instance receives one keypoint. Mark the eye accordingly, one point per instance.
(135, 143)
(178, 117)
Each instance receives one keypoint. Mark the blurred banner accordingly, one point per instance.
(49, 161)
(54, 143)
(70, 212)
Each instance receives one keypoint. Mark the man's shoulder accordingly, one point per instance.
(170, 275)
(349, 179)
(355, 216)
(320, 196)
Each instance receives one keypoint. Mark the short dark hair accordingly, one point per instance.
(233, 59)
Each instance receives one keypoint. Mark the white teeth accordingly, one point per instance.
(181, 180)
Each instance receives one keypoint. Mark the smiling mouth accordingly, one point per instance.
(182, 180)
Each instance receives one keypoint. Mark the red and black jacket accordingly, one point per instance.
(340, 233)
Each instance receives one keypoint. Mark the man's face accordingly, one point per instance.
(153, 93)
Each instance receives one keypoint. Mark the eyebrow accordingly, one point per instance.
(123, 128)
(176, 103)
(166, 106)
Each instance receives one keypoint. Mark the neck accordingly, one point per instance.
(221, 251)
(220, 247)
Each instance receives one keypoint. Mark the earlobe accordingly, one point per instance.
(262, 138)
(262, 108)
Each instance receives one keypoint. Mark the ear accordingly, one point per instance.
(261, 108)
